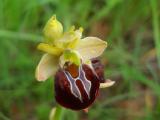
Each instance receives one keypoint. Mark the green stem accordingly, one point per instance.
(58, 115)
(155, 22)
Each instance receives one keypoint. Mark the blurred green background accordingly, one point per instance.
(131, 28)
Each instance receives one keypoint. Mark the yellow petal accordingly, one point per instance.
(73, 44)
(53, 29)
(107, 83)
(69, 39)
(78, 32)
(91, 47)
(47, 67)
(49, 49)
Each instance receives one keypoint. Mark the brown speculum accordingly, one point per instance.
(76, 87)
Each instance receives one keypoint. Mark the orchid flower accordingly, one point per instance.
(71, 59)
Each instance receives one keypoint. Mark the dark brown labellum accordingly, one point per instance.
(76, 87)
(99, 69)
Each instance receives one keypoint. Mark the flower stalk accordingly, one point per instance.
(57, 113)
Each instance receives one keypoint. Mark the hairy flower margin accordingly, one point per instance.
(67, 47)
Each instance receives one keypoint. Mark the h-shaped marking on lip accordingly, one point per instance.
(73, 86)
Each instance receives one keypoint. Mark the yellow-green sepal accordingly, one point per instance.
(47, 67)
(90, 47)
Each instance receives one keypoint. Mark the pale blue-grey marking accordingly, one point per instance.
(73, 86)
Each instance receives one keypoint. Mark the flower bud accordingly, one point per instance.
(53, 29)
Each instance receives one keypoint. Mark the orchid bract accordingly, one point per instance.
(72, 60)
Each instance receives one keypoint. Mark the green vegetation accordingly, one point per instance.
(132, 30)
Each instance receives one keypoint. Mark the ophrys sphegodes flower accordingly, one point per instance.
(71, 59)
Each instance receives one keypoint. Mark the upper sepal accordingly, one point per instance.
(52, 30)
